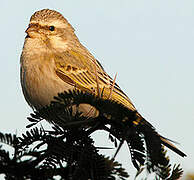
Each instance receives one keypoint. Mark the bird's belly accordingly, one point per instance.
(40, 85)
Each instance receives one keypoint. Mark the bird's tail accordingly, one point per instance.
(166, 142)
(147, 129)
(154, 144)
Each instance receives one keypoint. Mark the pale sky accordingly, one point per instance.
(148, 43)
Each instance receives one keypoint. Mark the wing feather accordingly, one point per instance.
(79, 70)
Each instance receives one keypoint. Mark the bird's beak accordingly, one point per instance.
(31, 30)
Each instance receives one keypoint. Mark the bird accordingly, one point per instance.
(53, 60)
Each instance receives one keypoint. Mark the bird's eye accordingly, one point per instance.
(51, 28)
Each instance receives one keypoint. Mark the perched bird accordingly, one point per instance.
(53, 61)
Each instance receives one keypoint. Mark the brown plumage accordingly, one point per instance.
(53, 61)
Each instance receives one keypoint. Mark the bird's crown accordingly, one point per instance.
(46, 15)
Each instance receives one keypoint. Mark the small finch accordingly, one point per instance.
(53, 61)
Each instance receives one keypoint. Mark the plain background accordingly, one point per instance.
(148, 42)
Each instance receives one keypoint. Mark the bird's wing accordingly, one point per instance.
(88, 75)
(73, 68)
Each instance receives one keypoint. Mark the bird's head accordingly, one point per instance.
(50, 27)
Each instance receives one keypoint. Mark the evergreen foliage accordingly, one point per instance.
(68, 151)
